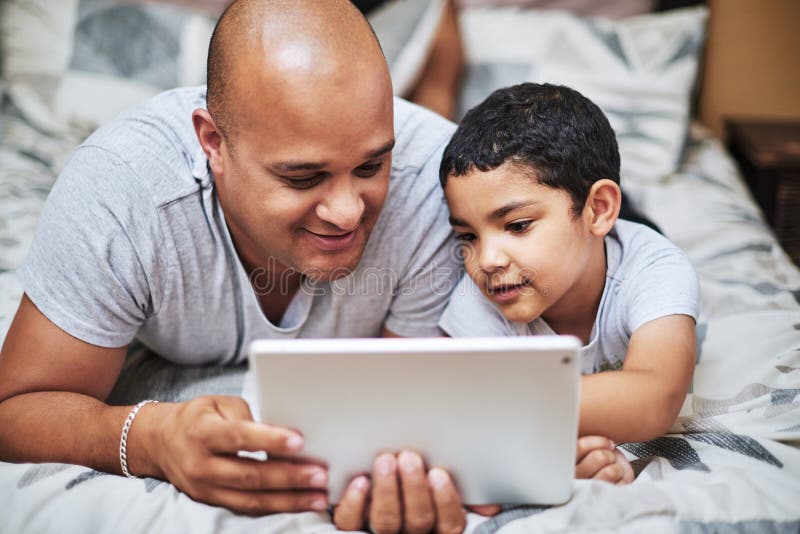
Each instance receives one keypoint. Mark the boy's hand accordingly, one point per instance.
(597, 458)
(403, 498)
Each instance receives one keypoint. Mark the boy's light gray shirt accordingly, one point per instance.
(647, 277)
(132, 243)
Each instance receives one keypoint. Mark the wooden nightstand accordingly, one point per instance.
(768, 152)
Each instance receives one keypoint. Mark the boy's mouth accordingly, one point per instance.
(504, 292)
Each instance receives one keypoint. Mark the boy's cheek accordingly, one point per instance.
(468, 254)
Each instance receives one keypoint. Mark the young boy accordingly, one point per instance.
(531, 178)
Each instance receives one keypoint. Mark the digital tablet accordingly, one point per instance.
(499, 414)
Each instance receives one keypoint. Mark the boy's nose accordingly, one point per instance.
(342, 207)
(492, 259)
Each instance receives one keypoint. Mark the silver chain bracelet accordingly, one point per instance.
(123, 440)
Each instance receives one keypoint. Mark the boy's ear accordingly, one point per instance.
(602, 206)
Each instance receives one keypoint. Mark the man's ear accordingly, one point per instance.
(210, 138)
(602, 206)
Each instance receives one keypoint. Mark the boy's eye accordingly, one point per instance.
(518, 226)
(466, 238)
(369, 170)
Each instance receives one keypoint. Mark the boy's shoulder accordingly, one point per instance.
(647, 277)
(633, 250)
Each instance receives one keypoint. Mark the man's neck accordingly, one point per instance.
(275, 289)
(274, 283)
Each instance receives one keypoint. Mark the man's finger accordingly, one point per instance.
(251, 475)
(419, 515)
(234, 408)
(587, 444)
(450, 515)
(349, 513)
(230, 437)
(385, 515)
(256, 503)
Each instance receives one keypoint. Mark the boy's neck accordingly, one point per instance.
(576, 311)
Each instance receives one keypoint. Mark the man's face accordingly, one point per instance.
(521, 244)
(303, 179)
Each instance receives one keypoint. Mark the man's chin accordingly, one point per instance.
(327, 271)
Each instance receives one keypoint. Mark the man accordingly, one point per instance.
(266, 213)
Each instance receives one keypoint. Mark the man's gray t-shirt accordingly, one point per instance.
(132, 242)
(647, 277)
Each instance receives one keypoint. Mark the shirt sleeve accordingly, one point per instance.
(93, 267)
(666, 285)
(434, 265)
(470, 314)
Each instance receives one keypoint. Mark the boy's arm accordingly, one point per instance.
(641, 401)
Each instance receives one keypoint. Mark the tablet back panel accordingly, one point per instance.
(500, 414)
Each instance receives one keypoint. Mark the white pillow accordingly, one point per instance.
(639, 70)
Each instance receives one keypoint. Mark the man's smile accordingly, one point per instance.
(333, 242)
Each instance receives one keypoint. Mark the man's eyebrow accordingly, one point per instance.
(382, 150)
(501, 212)
(289, 166)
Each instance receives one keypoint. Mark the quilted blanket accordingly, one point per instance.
(730, 463)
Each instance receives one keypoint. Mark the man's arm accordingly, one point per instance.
(643, 399)
(52, 392)
(50, 383)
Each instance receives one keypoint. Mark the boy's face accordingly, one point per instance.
(522, 245)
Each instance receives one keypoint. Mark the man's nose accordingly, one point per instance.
(342, 206)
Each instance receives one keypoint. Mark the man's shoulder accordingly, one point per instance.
(420, 135)
(420, 138)
(155, 142)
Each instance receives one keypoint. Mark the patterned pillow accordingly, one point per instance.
(640, 71)
(81, 62)
(110, 55)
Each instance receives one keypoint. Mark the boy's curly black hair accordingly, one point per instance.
(551, 131)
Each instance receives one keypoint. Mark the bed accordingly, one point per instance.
(730, 463)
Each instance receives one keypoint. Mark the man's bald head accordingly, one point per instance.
(260, 42)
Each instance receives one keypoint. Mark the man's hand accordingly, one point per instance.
(597, 458)
(404, 498)
(195, 446)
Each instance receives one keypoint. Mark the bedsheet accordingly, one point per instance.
(730, 463)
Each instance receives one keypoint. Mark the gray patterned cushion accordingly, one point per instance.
(639, 70)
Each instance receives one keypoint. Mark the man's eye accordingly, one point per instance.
(518, 227)
(305, 183)
(369, 170)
